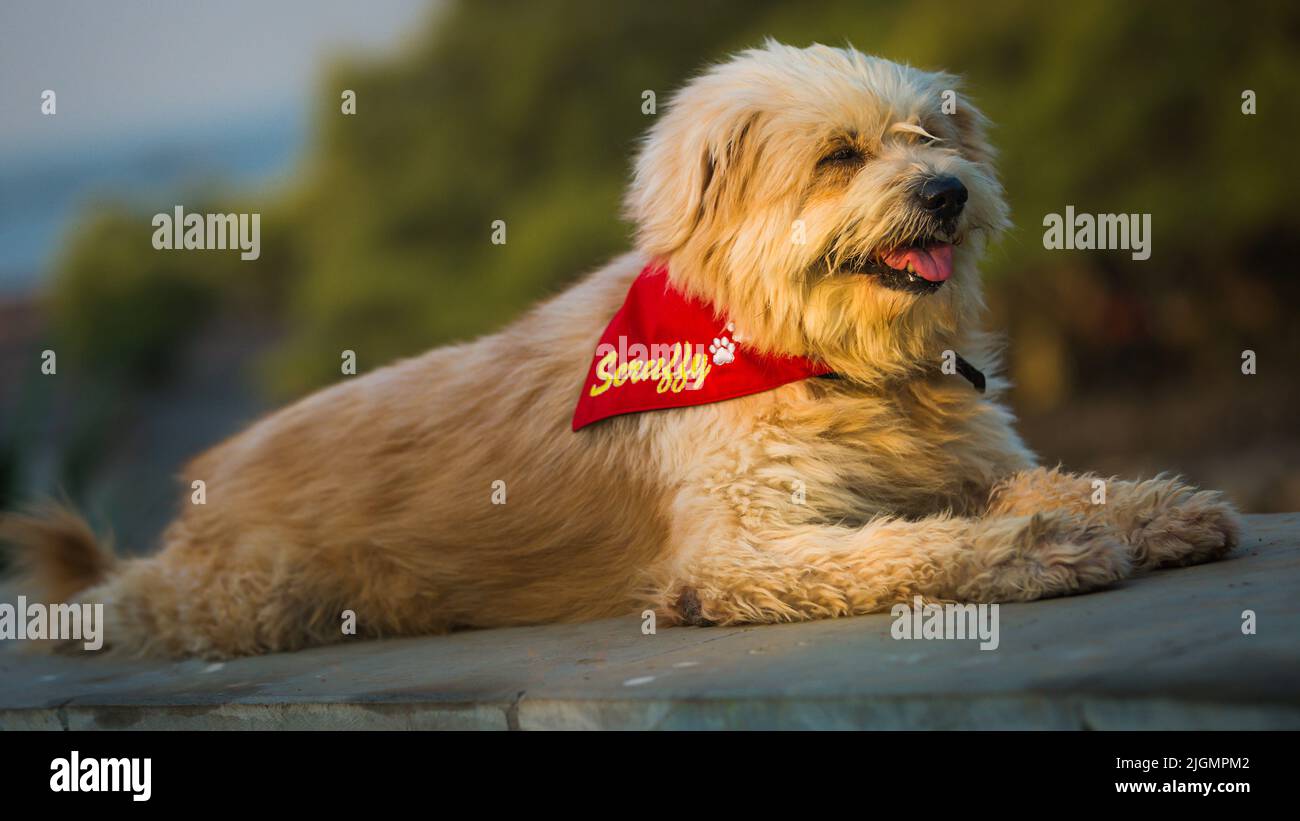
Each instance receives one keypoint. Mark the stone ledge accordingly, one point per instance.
(1164, 651)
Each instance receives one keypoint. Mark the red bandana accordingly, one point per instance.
(664, 349)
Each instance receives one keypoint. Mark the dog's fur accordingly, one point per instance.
(820, 498)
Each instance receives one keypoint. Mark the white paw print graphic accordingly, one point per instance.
(724, 348)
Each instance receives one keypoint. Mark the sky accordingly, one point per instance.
(120, 67)
(153, 95)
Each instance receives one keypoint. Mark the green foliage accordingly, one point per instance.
(121, 308)
(528, 112)
(123, 311)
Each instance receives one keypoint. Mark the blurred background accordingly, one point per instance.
(375, 226)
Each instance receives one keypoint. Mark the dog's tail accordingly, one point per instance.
(153, 606)
(56, 553)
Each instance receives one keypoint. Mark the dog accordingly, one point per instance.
(818, 214)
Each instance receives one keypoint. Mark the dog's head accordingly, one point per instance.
(834, 205)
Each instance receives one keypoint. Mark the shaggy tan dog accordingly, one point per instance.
(819, 498)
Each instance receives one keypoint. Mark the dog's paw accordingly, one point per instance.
(677, 607)
(1183, 526)
(1041, 556)
(689, 609)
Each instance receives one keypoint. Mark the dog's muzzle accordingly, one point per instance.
(923, 264)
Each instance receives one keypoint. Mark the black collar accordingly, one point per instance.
(971, 373)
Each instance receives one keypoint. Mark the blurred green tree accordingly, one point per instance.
(528, 112)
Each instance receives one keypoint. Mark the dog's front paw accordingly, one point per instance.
(1048, 554)
(1182, 526)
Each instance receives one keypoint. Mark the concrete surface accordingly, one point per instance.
(1162, 651)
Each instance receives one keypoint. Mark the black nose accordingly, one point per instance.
(943, 196)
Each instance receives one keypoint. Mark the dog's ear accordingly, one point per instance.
(692, 164)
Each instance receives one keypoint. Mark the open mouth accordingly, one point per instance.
(919, 269)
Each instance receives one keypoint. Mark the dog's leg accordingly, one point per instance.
(811, 572)
(1163, 521)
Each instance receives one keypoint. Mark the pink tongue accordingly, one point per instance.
(933, 263)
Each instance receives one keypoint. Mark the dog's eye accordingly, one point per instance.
(842, 156)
